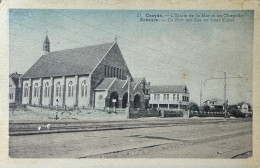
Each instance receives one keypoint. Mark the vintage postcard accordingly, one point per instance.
(126, 83)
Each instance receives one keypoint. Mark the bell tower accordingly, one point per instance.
(46, 45)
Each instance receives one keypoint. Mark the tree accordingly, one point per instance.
(192, 106)
(206, 108)
(250, 107)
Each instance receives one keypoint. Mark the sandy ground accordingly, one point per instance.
(41, 114)
(187, 140)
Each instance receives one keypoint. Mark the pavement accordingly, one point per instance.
(139, 138)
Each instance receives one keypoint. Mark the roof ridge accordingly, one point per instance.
(78, 48)
(167, 85)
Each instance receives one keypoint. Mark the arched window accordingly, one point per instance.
(111, 74)
(26, 90)
(105, 71)
(120, 77)
(36, 90)
(70, 89)
(114, 75)
(117, 72)
(46, 90)
(84, 89)
(108, 71)
(58, 89)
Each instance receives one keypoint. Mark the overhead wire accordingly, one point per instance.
(96, 39)
(166, 62)
(122, 37)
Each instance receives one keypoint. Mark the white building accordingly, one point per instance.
(14, 87)
(215, 103)
(169, 96)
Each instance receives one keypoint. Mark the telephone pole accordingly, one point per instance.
(200, 93)
(225, 89)
(128, 95)
(225, 94)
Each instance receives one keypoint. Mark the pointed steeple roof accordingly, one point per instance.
(46, 39)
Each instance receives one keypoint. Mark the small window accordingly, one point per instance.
(158, 96)
(164, 96)
(84, 89)
(26, 90)
(122, 77)
(178, 97)
(36, 90)
(117, 72)
(11, 96)
(58, 89)
(108, 71)
(114, 72)
(70, 89)
(111, 70)
(46, 90)
(100, 97)
(120, 74)
(105, 71)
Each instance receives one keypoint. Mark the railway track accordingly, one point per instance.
(32, 128)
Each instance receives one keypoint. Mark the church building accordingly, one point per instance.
(93, 76)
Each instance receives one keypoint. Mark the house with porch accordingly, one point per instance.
(169, 96)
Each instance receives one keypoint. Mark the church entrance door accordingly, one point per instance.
(137, 103)
(124, 101)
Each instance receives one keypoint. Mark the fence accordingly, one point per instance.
(207, 114)
(137, 113)
(171, 113)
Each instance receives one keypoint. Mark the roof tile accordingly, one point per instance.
(168, 89)
(68, 62)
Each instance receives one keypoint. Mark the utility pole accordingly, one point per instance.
(225, 94)
(225, 89)
(56, 117)
(128, 95)
(200, 93)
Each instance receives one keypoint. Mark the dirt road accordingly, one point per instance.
(187, 139)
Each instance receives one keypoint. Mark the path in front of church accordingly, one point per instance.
(214, 139)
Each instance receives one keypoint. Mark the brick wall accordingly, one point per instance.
(113, 58)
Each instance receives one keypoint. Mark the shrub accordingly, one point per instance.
(206, 108)
(236, 113)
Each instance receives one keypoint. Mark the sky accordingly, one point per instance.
(165, 52)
